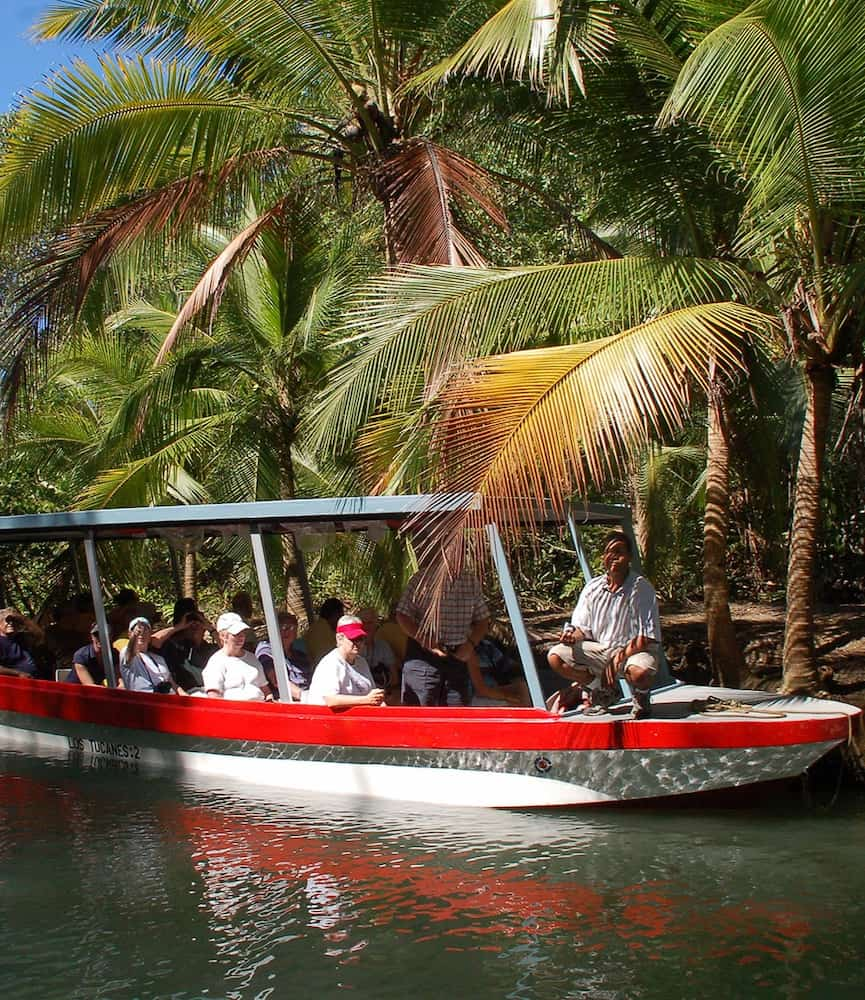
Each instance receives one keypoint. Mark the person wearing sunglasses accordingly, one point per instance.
(16, 633)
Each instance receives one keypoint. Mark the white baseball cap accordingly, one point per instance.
(231, 622)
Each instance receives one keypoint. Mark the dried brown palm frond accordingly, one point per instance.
(420, 186)
(211, 285)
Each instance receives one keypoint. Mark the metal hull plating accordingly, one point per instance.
(482, 757)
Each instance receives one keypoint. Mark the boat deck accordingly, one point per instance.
(710, 705)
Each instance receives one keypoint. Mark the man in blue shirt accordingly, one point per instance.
(87, 665)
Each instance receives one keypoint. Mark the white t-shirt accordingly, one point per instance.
(334, 675)
(237, 678)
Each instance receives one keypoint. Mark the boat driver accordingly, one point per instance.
(614, 632)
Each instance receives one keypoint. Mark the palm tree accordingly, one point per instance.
(780, 89)
(215, 100)
(786, 113)
(218, 419)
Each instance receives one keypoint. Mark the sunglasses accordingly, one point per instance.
(12, 620)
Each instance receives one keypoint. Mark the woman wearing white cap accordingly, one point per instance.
(342, 677)
(233, 672)
(141, 668)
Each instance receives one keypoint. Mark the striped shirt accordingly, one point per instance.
(614, 617)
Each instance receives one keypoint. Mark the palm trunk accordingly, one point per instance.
(725, 653)
(800, 667)
(641, 523)
(190, 574)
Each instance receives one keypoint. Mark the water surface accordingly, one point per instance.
(118, 885)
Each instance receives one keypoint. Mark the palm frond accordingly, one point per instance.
(422, 184)
(525, 428)
(158, 120)
(211, 286)
(544, 42)
(414, 324)
(781, 89)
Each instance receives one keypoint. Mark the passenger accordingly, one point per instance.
(436, 670)
(87, 665)
(232, 672)
(141, 668)
(379, 657)
(71, 625)
(241, 605)
(320, 637)
(16, 634)
(296, 663)
(342, 677)
(184, 646)
(494, 682)
(614, 632)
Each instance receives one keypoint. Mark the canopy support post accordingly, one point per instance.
(577, 540)
(99, 608)
(270, 614)
(520, 635)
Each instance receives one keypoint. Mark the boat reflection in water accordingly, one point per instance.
(157, 887)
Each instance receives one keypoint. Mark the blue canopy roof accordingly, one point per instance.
(269, 516)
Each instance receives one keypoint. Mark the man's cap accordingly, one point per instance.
(140, 620)
(352, 630)
(231, 622)
(94, 629)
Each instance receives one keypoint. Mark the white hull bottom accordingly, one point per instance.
(618, 775)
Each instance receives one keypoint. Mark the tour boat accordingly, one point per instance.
(697, 740)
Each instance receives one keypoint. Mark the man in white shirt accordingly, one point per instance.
(614, 632)
(342, 677)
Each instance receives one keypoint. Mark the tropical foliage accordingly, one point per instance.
(676, 186)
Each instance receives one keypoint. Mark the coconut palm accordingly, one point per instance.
(219, 419)
(213, 100)
(781, 90)
(786, 112)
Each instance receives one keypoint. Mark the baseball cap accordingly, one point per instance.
(231, 622)
(140, 620)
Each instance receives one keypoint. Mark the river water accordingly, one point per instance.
(116, 885)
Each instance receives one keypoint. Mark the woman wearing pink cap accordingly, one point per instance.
(342, 677)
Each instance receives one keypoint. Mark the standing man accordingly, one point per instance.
(614, 632)
(435, 671)
(87, 665)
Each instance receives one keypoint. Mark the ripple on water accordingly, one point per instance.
(189, 889)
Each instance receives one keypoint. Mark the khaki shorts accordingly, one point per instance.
(595, 658)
